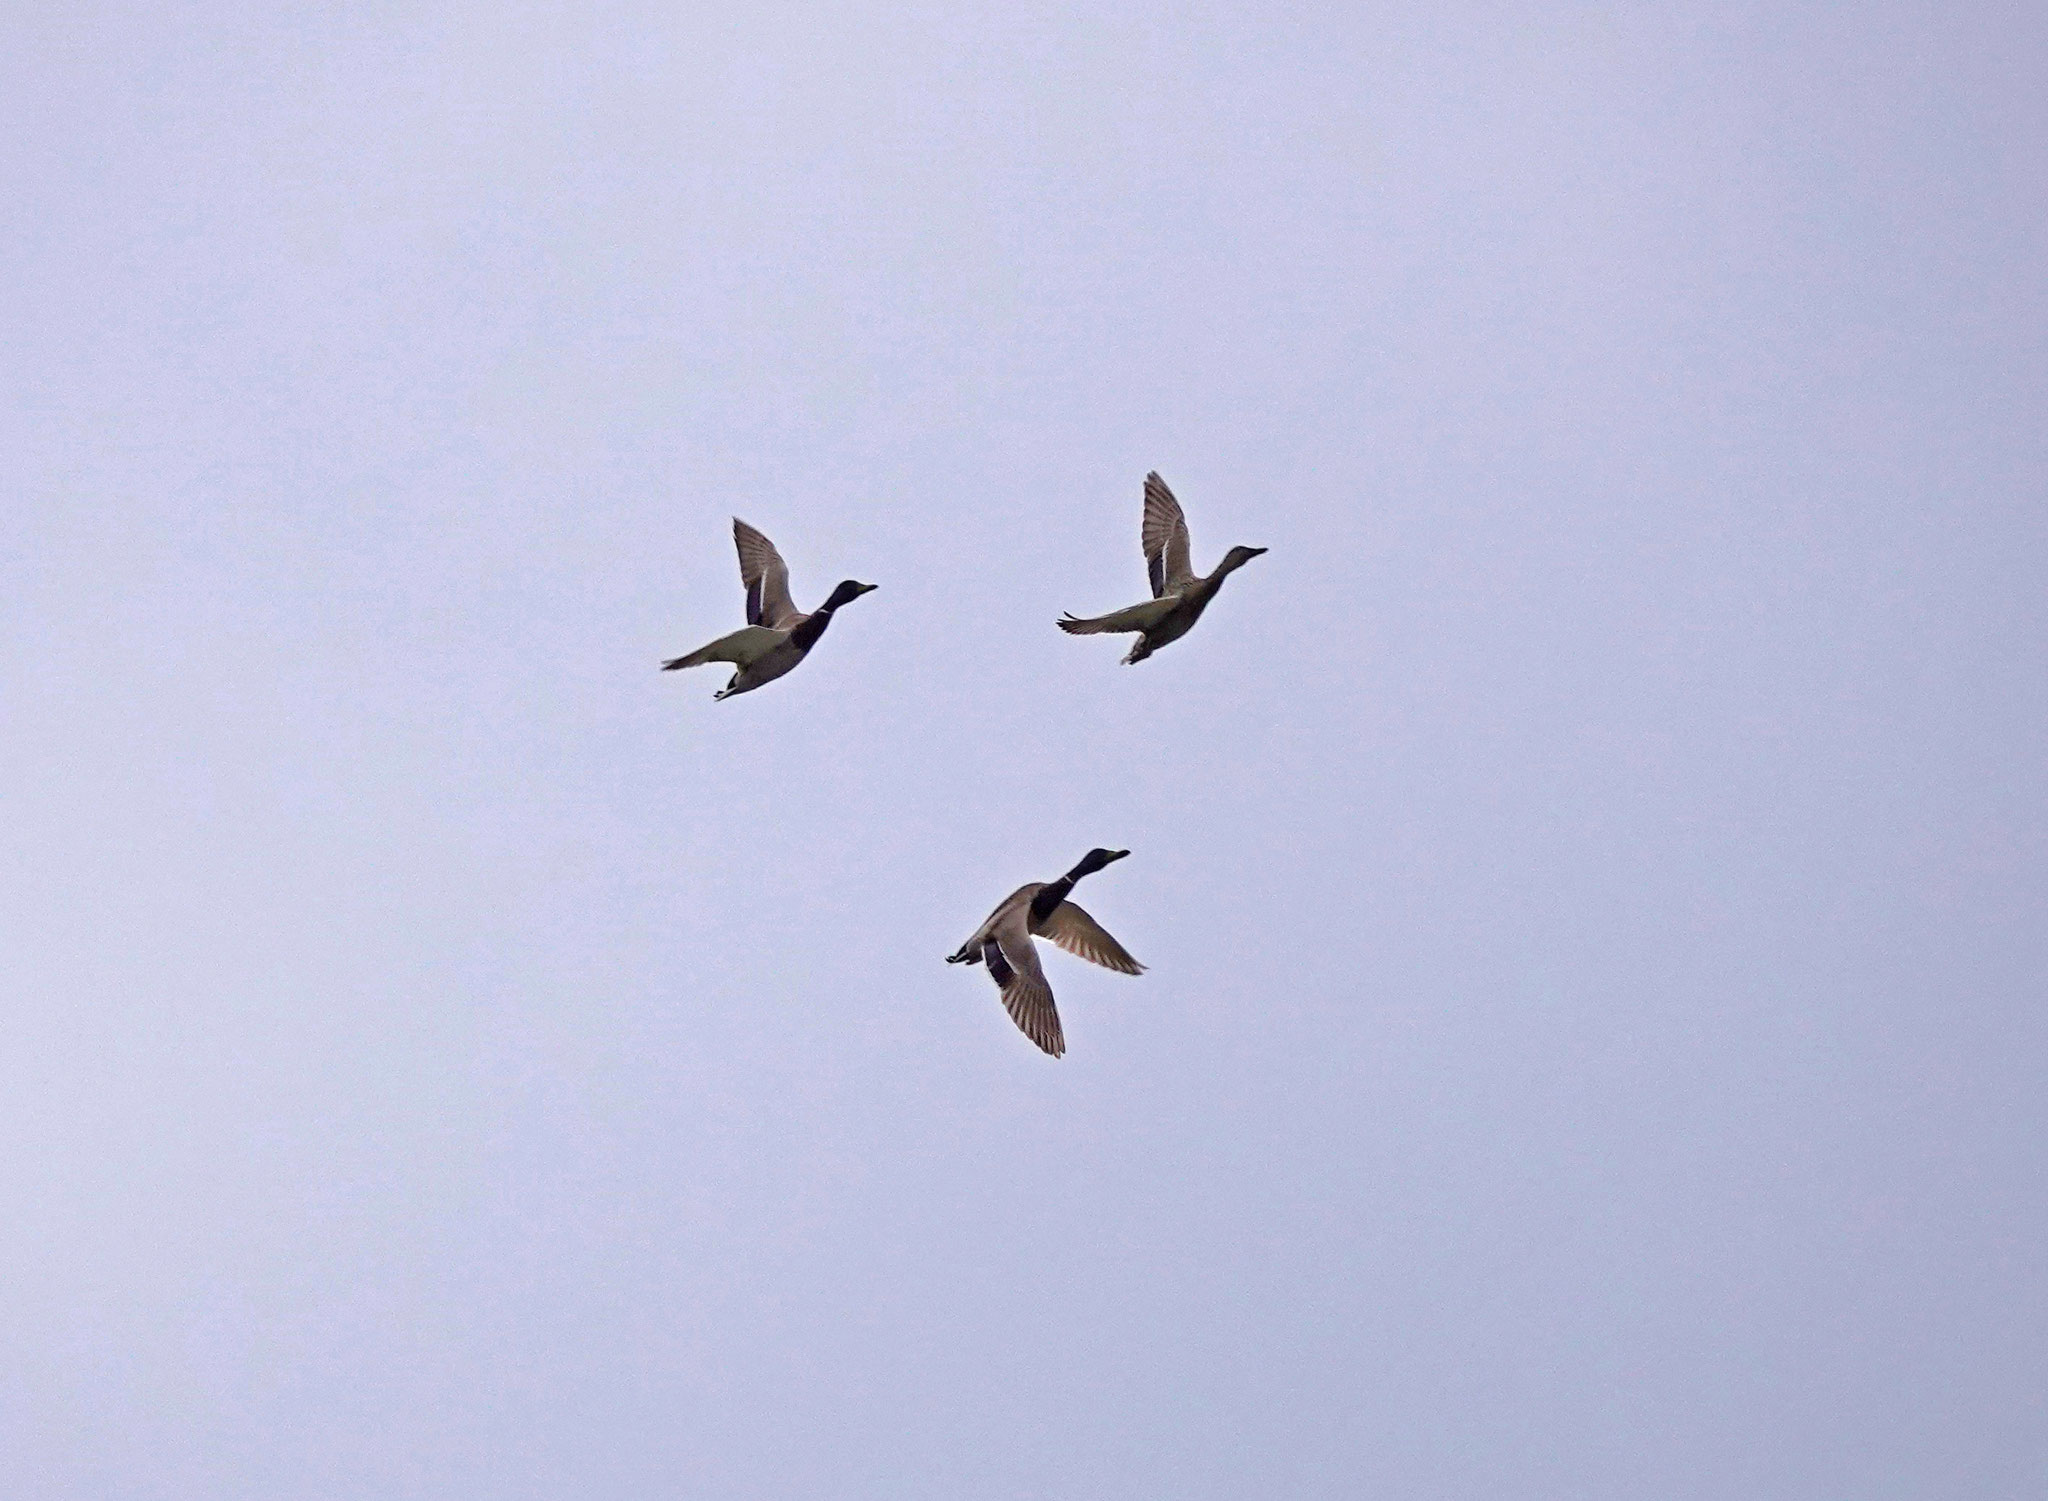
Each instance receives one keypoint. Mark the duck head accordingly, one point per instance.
(1237, 557)
(1095, 859)
(848, 591)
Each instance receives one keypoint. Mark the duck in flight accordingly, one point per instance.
(1179, 594)
(1004, 944)
(777, 635)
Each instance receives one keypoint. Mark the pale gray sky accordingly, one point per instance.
(1592, 869)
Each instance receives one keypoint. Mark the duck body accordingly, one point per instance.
(1004, 944)
(777, 635)
(1179, 594)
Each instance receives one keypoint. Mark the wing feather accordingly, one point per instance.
(1165, 537)
(1074, 930)
(742, 648)
(1137, 618)
(1027, 996)
(767, 579)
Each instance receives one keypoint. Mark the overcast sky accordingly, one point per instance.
(1593, 869)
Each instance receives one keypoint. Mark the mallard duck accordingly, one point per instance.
(1004, 943)
(1179, 594)
(778, 635)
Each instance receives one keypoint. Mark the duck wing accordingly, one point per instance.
(1079, 934)
(1137, 618)
(1165, 536)
(743, 648)
(1013, 960)
(767, 579)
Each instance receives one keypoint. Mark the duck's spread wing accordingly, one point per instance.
(1137, 618)
(1079, 934)
(1026, 996)
(743, 648)
(766, 577)
(1165, 536)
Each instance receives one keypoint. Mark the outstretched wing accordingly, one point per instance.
(1136, 618)
(743, 648)
(1079, 934)
(766, 577)
(1026, 996)
(1165, 536)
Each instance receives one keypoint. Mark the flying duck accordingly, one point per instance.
(1004, 943)
(777, 635)
(1179, 594)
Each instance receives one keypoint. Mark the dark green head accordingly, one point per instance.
(1237, 557)
(1094, 860)
(848, 591)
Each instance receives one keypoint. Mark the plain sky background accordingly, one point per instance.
(1594, 869)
